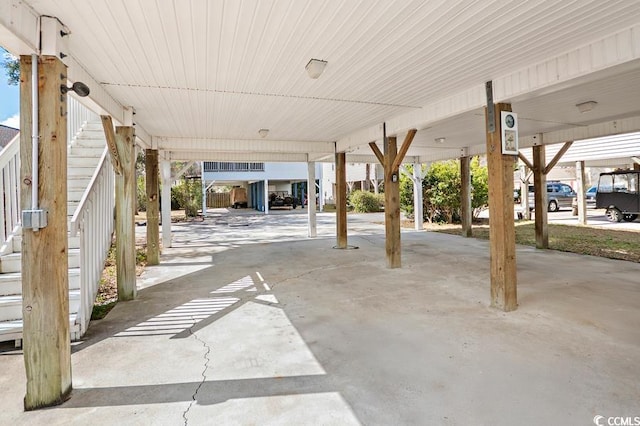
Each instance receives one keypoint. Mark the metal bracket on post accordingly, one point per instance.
(34, 219)
(490, 108)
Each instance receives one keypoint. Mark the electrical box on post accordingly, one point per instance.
(55, 38)
(34, 219)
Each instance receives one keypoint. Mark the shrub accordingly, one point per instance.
(187, 195)
(366, 202)
(141, 193)
(441, 191)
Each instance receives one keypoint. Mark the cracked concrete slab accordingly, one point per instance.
(333, 337)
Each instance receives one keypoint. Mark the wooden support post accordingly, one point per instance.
(125, 214)
(153, 207)
(636, 166)
(392, 205)
(540, 197)
(45, 275)
(166, 204)
(311, 199)
(581, 199)
(341, 200)
(465, 196)
(501, 223)
(391, 161)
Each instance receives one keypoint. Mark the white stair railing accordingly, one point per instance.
(77, 116)
(10, 201)
(93, 219)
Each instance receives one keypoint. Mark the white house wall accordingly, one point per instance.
(272, 171)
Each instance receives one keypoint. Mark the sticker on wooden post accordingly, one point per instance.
(509, 127)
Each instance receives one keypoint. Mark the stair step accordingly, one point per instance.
(11, 283)
(79, 151)
(94, 139)
(77, 182)
(92, 126)
(12, 330)
(83, 171)
(84, 161)
(75, 195)
(13, 262)
(74, 243)
(11, 306)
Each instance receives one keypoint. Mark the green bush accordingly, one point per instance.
(441, 191)
(141, 193)
(366, 202)
(187, 195)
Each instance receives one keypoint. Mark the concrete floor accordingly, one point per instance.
(249, 322)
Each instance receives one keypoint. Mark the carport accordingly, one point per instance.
(397, 82)
(246, 320)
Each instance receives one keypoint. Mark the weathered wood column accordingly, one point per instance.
(391, 160)
(540, 197)
(153, 207)
(311, 199)
(123, 157)
(501, 222)
(581, 199)
(341, 200)
(465, 196)
(45, 276)
(392, 242)
(125, 214)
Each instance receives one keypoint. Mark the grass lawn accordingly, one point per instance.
(614, 244)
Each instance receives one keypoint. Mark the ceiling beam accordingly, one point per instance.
(244, 145)
(18, 28)
(596, 130)
(260, 157)
(602, 57)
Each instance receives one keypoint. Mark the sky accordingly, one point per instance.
(9, 99)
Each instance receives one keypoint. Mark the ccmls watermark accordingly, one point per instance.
(616, 421)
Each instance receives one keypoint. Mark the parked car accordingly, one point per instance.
(590, 196)
(619, 193)
(282, 199)
(559, 195)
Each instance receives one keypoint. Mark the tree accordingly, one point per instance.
(479, 186)
(441, 191)
(11, 66)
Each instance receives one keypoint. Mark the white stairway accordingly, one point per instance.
(82, 159)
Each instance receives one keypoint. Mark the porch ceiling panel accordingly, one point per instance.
(224, 69)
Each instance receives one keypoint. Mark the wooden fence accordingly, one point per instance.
(218, 199)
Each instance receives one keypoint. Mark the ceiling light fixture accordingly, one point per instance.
(263, 133)
(586, 106)
(315, 67)
(440, 140)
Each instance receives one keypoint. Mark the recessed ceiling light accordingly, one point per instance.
(440, 140)
(315, 67)
(586, 106)
(263, 133)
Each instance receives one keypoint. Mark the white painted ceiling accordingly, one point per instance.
(210, 70)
